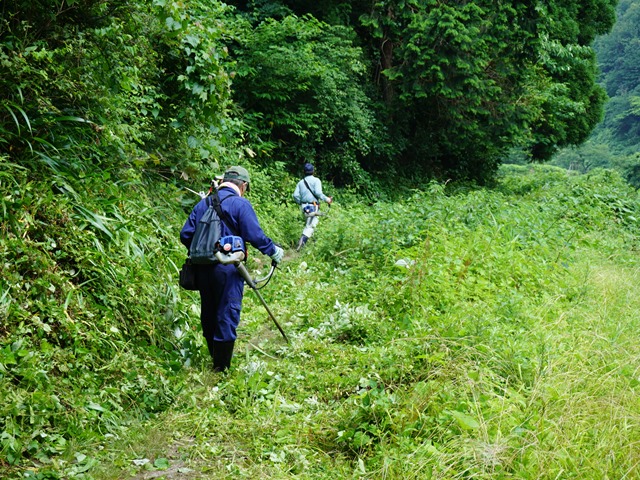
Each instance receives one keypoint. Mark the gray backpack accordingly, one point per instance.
(206, 239)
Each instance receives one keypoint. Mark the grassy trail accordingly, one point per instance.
(455, 333)
(502, 367)
(588, 391)
(582, 404)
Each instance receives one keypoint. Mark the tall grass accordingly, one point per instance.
(458, 333)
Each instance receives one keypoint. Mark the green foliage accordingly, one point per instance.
(37, 108)
(83, 293)
(458, 73)
(614, 141)
(441, 89)
(454, 331)
(196, 80)
(301, 86)
(145, 86)
(572, 105)
(464, 82)
(584, 158)
(52, 73)
(438, 332)
(618, 51)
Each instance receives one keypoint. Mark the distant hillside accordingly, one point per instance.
(615, 143)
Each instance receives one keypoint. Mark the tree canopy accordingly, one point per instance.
(442, 88)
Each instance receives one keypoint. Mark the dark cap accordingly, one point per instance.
(237, 173)
(308, 168)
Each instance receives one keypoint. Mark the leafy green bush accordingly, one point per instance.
(88, 289)
(300, 83)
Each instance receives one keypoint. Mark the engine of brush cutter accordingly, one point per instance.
(231, 250)
(231, 244)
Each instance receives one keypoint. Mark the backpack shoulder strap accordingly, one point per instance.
(215, 203)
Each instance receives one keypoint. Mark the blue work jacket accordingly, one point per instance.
(240, 213)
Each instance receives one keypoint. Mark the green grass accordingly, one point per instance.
(506, 348)
(432, 407)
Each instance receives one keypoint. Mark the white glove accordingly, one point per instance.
(278, 254)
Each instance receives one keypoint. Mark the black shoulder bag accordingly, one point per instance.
(188, 275)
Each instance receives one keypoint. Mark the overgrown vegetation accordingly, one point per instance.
(441, 329)
(474, 332)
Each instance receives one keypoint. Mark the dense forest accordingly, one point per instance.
(456, 316)
(439, 88)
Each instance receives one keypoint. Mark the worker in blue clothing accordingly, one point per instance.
(308, 194)
(221, 286)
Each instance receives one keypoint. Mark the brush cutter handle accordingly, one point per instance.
(267, 276)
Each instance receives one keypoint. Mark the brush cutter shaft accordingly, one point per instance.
(200, 194)
(236, 259)
(245, 274)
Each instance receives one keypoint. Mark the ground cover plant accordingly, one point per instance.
(456, 332)
(439, 330)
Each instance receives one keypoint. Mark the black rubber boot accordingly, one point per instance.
(210, 346)
(222, 353)
(302, 242)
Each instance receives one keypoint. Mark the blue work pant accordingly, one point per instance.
(221, 290)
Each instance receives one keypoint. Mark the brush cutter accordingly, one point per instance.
(215, 183)
(231, 252)
(200, 194)
(312, 210)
